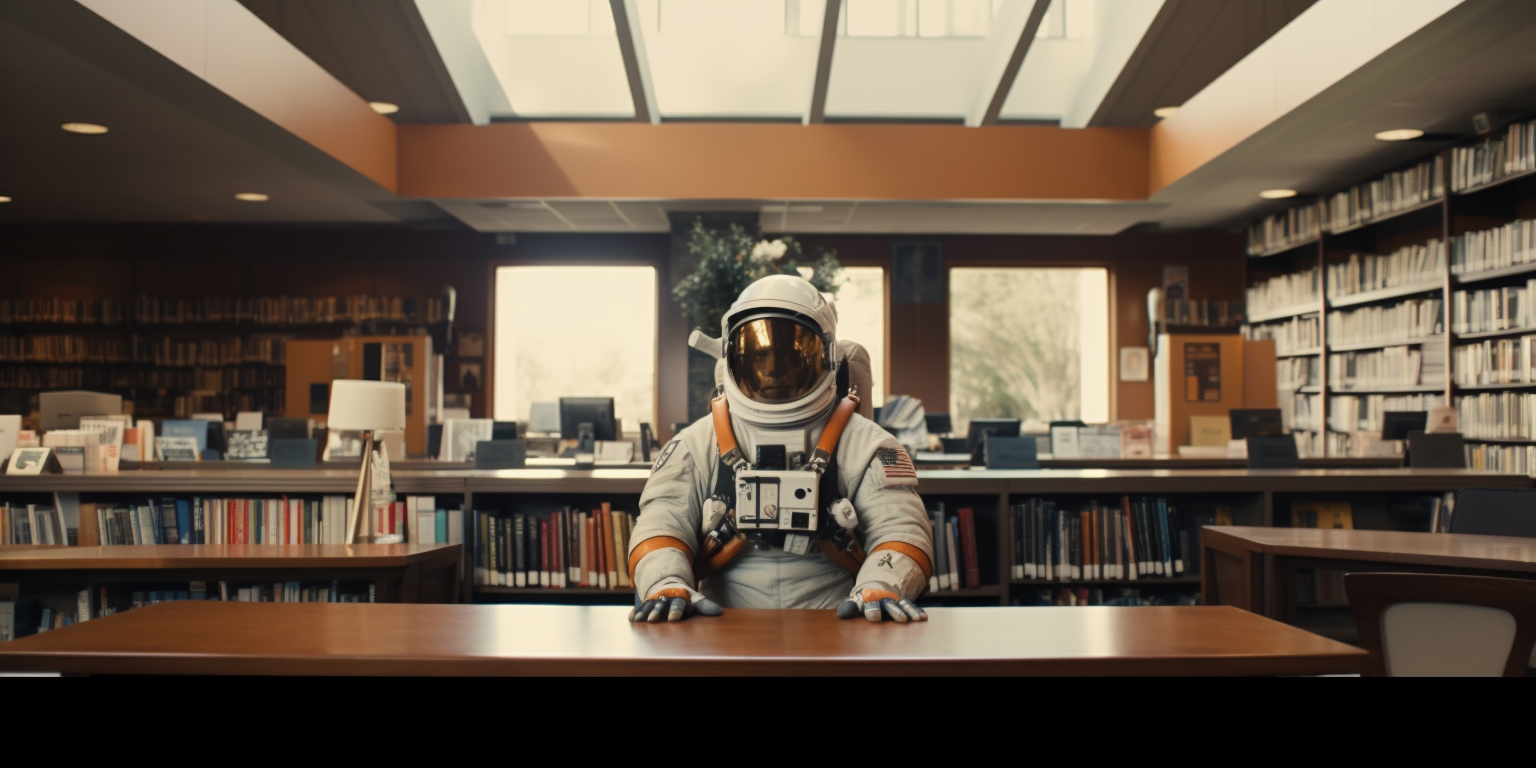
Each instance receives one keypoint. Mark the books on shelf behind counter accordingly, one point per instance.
(563, 549)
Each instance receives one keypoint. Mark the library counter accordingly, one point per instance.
(215, 638)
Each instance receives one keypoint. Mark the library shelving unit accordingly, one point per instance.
(1421, 280)
(175, 357)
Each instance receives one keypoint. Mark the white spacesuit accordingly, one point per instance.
(773, 499)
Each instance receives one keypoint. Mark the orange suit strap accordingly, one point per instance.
(720, 559)
(651, 545)
(730, 453)
(909, 551)
(846, 560)
(833, 432)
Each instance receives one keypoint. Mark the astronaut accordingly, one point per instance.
(774, 499)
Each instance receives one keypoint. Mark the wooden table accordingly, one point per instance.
(400, 572)
(1255, 568)
(216, 638)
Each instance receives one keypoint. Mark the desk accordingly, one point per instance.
(1255, 568)
(351, 639)
(400, 572)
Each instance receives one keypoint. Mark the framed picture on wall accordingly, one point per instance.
(1135, 363)
(471, 343)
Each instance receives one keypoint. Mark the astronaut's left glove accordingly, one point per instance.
(673, 600)
(875, 600)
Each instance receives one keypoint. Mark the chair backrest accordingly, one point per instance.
(1494, 512)
(1420, 624)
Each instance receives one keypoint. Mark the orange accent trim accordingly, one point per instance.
(835, 425)
(876, 595)
(909, 551)
(729, 552)
(669, 593)
(724, 437)
(651, 545)
(839, 557)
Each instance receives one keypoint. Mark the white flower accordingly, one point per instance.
(769, 250)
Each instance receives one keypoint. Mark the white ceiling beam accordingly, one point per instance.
(626, 22)
(817, 112)
(1013, 31)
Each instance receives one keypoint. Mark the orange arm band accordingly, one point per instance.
(909, 551)
(651, 545)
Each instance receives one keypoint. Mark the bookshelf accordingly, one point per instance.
(175, 357)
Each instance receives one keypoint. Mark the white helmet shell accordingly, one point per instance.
(792, 294)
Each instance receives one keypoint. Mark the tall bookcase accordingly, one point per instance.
(1418, 282)
(175, 357)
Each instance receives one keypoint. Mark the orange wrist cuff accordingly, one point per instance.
(651, 545)
(910, 551)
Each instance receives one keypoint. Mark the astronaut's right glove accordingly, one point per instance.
(673, 600)
(876, 600)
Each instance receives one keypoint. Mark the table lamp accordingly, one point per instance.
(369, 407)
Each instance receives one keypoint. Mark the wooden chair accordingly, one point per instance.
(1495, 512)
(1416, 624)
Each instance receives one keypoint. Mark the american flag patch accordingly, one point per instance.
(896, 462)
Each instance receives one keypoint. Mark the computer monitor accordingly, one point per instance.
(62, 410)
(1395, 425)
(938, 423)
(1255, 422)
(597, 411)
(980, 428)
(503, 430)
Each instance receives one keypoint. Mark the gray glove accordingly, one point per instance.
(875, 600)
(673, 600)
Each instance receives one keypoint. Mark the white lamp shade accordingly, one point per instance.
(366, 405)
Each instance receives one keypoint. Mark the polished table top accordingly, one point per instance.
(1510, 553)
(225, 556)
(394, 639)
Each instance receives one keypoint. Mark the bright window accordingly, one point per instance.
(576, 332)
(861, 318)
(1030, 344)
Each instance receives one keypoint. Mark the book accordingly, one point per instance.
(951, 534)
(968, 539)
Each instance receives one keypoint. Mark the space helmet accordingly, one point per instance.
(780, 344)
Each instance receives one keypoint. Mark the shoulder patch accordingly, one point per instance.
(666, 453)
(895, 462)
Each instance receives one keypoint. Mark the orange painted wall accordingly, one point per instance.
(723, 161)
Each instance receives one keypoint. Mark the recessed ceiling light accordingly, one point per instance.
(5, 198)
(1164, 112)
(1401, 134)
(1277, 194)
(87, 129)
(251, 197)
(384, 107)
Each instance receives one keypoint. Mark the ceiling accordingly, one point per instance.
(176, 154)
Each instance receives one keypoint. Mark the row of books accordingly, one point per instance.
(956, 563)
(212, 381)
(62, 348)
(28, 377)
(1494, 309)
(1301, 412)
(1213, 313)
(1310, 442)
(1405, 366)
(267, 400)
(1493, 457)
(65, 311)
(209, 352)
(1510, 245)
(1495, 361)
(1135, 538)
(1293, 373)
(1288, 291)
(1511, 152)
(1497, 415)
(1414, 320)
(199, 520)
(1422, 264)
(562, 549)
(1363, 413)
(32, 524)
(1116, 596)
(287, 310)
(1392, 192)
(1294, 335)
(1285, 229)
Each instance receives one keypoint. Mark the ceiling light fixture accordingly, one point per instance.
(5, 198)
(1277, 194)
(384, 107)
(252, 197)
(1163, 113)
(85, 129)
(1400, 134)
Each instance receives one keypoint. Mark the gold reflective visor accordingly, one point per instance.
(775, 360)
